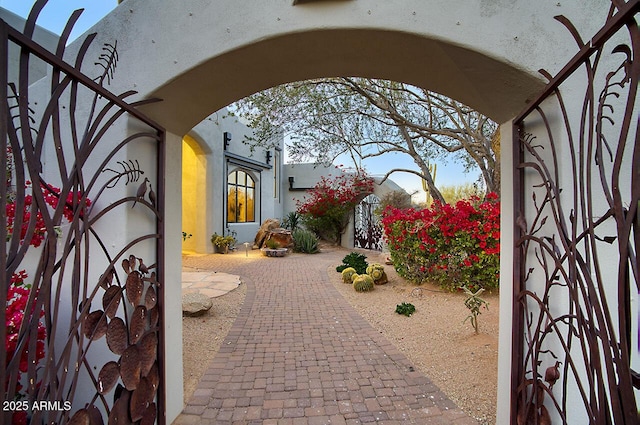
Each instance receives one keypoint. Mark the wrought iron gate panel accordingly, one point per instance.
(577, 232)
(83, 257)
(367, 226)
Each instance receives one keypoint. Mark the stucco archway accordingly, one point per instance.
(199, 56)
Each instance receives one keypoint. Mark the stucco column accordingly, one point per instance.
(506, 274)
(173, 278)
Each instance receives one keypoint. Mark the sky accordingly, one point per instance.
(54, 17)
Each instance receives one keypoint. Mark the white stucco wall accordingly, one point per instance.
(209, 135)
(37, 68)
(485, 53)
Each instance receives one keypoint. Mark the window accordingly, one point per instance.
(241, 190)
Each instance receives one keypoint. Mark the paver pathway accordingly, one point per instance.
(298, 353)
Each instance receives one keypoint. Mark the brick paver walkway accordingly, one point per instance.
(298, 353)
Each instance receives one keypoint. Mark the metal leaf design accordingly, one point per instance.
(150, 298)
(154, 317)
(126, 266)
(154, 376)
(134, 287)
(140, 399)
(117, 336)
(94, 325)
(137, 324)
(81, 417)
(149, 417)
(107, 280)
(108, 377)
(148, 349)
(120, 413)
(130, 367)
(111, 300)
(95, 417)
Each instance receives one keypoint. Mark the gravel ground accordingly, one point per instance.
(463, 365)
(212, 327)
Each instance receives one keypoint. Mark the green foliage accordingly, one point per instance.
(453, 194)
(405, 308)
(222, 241)
(291, 221)
(474, 303)
(398, 199)
(272, 244)
(347, 274)
(355, 260)
(186, 236)
(363, 283)
(305, 241)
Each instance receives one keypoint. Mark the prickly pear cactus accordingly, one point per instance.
(377, 273)
(347, 274)
(363, 283)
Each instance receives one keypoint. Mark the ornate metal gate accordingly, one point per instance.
(83, 257)
(577, 232)
(367, 226)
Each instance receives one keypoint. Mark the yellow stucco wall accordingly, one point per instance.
(194, 171)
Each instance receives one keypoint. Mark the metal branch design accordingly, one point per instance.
(577, 239)
(88, 334)
(130, 170)
(108, 62)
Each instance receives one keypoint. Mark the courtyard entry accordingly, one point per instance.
(242, 51)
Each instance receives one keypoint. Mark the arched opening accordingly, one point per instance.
(447, 57)
(428, 44)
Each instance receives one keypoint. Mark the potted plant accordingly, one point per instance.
(221, 244)
(272, 249)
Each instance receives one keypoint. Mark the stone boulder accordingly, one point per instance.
(281, 236)
(267, 225)
(195, 304)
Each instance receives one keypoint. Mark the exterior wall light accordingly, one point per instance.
(226, 138)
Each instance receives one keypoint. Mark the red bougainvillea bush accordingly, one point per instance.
(17, 312)
(51, 196)
(451, 245)
(326, 208)
(16, 315)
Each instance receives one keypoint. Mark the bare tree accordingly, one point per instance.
(366, 118)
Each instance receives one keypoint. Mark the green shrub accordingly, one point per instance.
(347, 274)
(363, 283)
(405, 308)
(474, 303)
(305, 241)
(355, 260)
